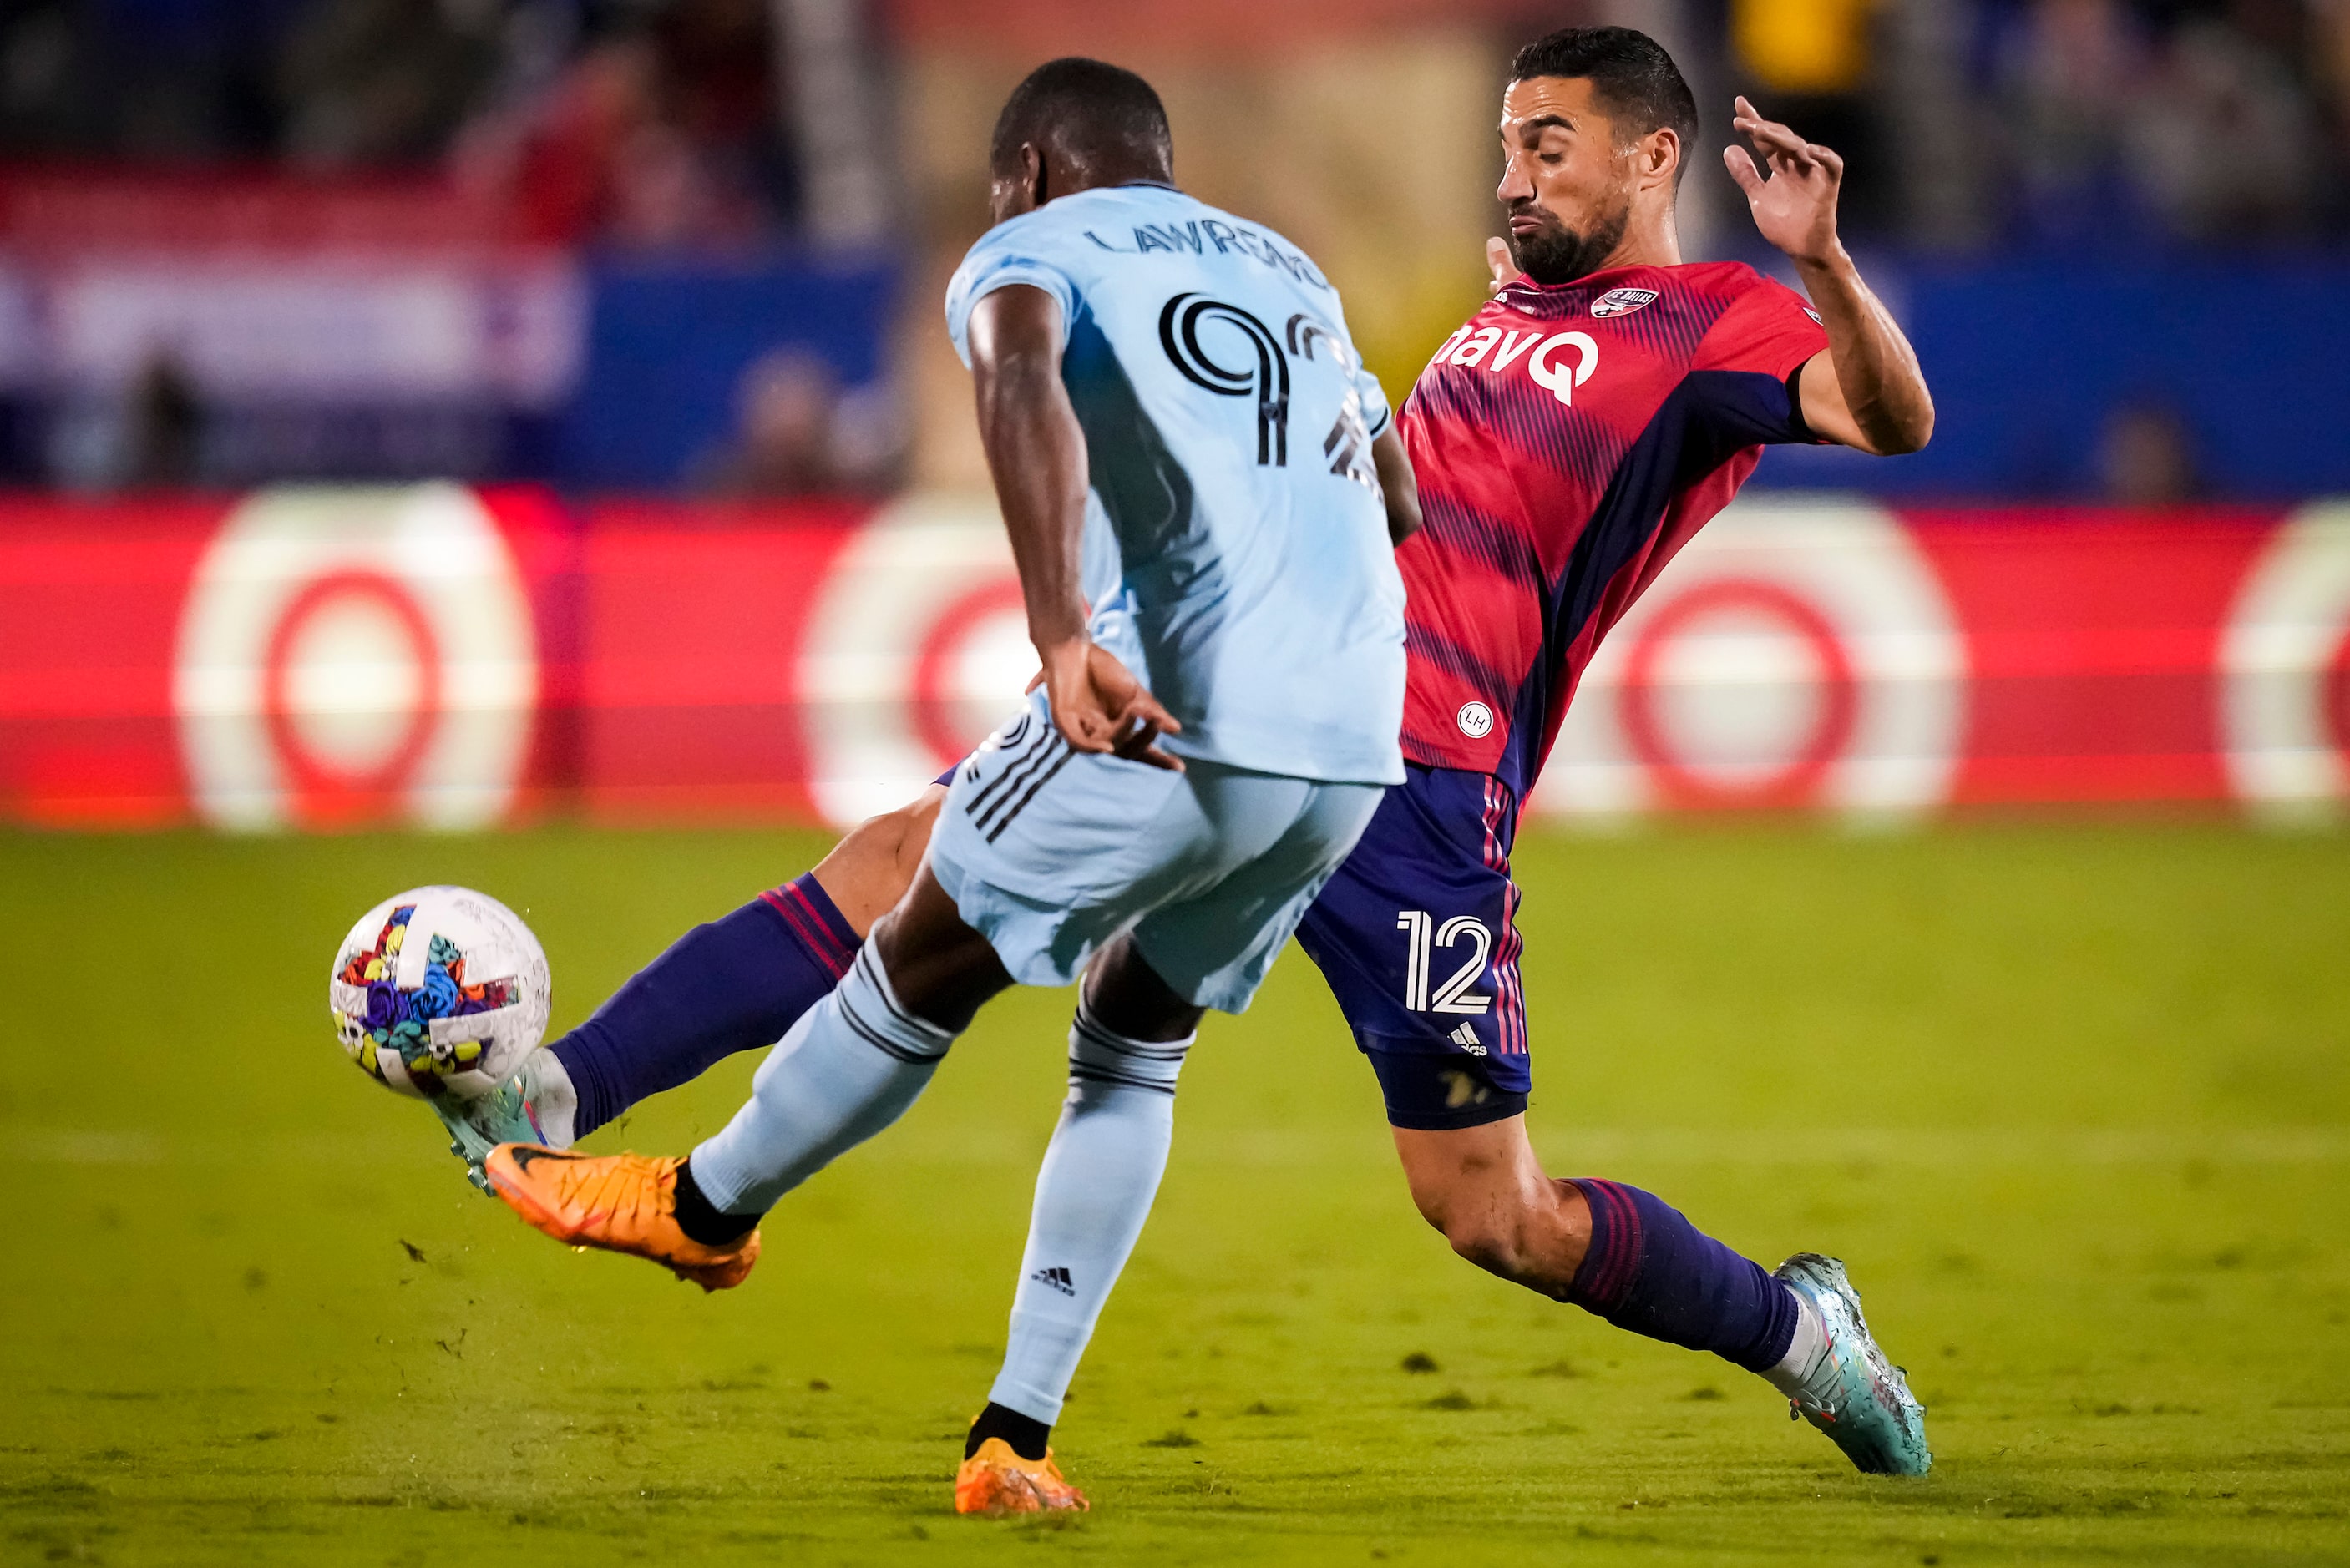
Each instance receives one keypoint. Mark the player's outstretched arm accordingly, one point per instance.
(1866, 390)
(1036, 452)
(1398, 485)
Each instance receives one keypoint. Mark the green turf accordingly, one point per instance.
(2072, 1101)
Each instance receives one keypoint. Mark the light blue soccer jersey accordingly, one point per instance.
(1236, 547)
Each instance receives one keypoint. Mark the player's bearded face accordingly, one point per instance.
(1553, 253)
(1567, 177)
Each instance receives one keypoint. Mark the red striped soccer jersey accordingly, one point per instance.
(1568, 441)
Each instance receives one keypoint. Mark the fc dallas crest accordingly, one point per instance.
(1621, 302)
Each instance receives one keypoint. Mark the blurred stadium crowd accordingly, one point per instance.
(665, 123)
(646, 126)
(2068, 122)
(230, 228)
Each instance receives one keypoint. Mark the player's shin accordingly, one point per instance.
(1648, 1270)
(1093, 1194)
(733, 984)
(848, 1069)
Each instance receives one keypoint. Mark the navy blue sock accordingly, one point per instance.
(1652, 1271)
(731, 985)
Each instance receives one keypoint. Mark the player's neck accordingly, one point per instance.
(1651, 239)
(1069, 178)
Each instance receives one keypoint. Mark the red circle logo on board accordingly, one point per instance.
(348, 656)
(1795, 653)
(1793, 777)
(333, 786)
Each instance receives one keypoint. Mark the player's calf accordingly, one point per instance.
(1483, 1188)
(1629, 1257)
(735, 983)
(1648, 1270)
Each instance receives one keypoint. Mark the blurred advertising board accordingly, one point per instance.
(297, 659)
(441, 657)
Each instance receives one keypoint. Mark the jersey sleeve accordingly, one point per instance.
(1376, 414)
(1371, 397)
(1022, 250)
(1743, 371)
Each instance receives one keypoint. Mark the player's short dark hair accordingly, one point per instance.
(1095, 111)
(1630, 73)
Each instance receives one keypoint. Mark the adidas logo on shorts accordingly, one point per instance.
(1466, 1038)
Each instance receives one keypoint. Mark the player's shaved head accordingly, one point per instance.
(1101, 123)
(1633, 79)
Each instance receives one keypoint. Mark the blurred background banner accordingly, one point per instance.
(619, 320)
(432, 656)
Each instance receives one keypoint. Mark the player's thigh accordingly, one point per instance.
(1416, 935)
(1214, 945)
(1465, 1172)
(873, 865)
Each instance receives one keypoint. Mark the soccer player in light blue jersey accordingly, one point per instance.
(1176, 420)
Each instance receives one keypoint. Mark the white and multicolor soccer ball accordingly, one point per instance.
(440, 992)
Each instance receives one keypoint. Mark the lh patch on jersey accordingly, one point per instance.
(1622, 302)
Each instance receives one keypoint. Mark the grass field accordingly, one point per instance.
(2073, 1101)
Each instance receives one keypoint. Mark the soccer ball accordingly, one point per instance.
(440, 992)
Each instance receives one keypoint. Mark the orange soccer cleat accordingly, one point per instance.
(997, 1480)
(621, 1203)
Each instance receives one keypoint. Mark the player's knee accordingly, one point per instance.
(874, 863)
(906, 830)
(894, 840)
(887, 837)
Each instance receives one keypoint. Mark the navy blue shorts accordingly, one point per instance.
(1417, 934)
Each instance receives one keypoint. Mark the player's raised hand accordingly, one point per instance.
(1099, 706)
(1498, 262)
(1796, 207)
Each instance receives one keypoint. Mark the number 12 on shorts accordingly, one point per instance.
(1422, 936)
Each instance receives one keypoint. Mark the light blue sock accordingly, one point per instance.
(849, 1068)
(1092, 1195)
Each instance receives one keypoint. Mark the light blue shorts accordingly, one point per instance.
(1049, 853)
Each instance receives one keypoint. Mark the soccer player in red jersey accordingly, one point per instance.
(1567, 440)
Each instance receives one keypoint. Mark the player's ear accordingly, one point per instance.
(1661, 155)
(1017, 186)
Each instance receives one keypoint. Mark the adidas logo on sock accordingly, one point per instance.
(1058, 1278)
(1466, 1038)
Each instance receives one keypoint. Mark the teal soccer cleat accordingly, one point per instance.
(506, 1115)
(1861, 1400)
